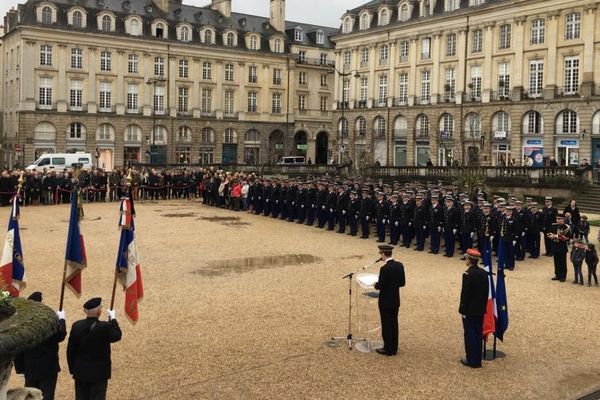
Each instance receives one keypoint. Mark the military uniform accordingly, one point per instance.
(436, 223)
(561, 235)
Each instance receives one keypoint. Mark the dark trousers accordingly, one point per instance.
(520, 248)
(508, 250)
(420, 235)
(283, 210)
(301, 213)
(380, 230)
(394, 233)
(560, 265)
(533, 244)
(578, 274)
(473, 327)
(435, 236)
(341, 221)
(352, 223)
(548, 245)
(331, 219)
(389, 329)
(449, 242)
(46, 385)
(592, 273)
(90, 390)
(310, 214)
(291, 211)
(322, 215)
(275, 209)
(406, 235)
(465, 242)
(364, 226)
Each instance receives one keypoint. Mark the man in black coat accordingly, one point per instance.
(88, 351)
(473, 302)
(40, 365)
(391, 279)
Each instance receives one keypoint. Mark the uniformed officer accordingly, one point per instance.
(468, 227)
(322, 205)
(391, 279)
(353, 213)
(560, 234)
(509, 233)
(533, 233)
(381, 216)
(487, 227)
(342, 208)
(366, 213)
(451, 223)
(473, 302)
(40, 365)
(406, 220)
(331, 207)
(420, 219)
(436, 223)
(88, 351)
(549, 214)
(394, 220)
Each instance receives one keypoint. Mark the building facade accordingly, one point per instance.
(469, 82)
(159, 81)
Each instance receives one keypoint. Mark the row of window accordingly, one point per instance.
(76, 131)
(133, 66)
(105, 98)
(537, 36)
(160, 29)
(534, 89)
(567, 123)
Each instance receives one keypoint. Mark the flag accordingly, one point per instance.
(75, 259)
(12, 269)
(128, 266)
(502, 322)
(491, 312)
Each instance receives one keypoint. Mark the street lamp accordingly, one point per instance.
(153, 82)
(343, 105)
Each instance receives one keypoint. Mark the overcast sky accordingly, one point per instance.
(318, 12)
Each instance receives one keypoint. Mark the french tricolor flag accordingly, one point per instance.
(75, 259)
(12, 269)
(491, 311)
(128, 266)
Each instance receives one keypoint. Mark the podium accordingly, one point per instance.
(368, 321)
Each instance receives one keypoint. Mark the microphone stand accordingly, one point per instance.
(349, 337)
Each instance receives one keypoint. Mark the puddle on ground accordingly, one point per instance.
(215, 218)
(249, 264)
(355, 257)
(178, 215)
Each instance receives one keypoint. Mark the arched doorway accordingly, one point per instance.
(322, 148)
(275, 146)
(300, 143)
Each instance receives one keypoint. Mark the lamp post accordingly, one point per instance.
(153, 82)
(343, 105)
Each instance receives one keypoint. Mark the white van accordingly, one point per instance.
(60, 161)
(292, 161)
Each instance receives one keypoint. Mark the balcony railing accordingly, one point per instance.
(446, 98)
(403, 59)
(501, 95)
(567, 91)
(472, 97)
(315, 61)
(446, 135)
(380, 103)
(360, 104)
(401, 101)
(536, 94)
(423, 100)
(343, 105)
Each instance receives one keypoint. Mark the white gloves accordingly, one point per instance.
(454, 231)
(112, 314)
(367, 217)
(472, 235)
(523, 234)
(514, 242)
(60, 314)
(344, 212)
(396, 223)
(323, 207)
(410, 224)
(424, 227)
(439, 228)
(331, 210)
(302, 206)
(491, 238)
(383, 222)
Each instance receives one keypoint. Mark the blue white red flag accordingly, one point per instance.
(12, 269)
(75, 259)
(491, 312)
(129, 270)
(501, 300)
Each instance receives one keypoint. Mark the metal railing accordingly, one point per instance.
(501, 95)
(471, 97)
(564, 91)
(315, 61)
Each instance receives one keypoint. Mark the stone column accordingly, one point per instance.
(435, 70)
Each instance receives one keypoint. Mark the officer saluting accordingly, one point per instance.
(473, 301)
(88, 351)
(391, 279)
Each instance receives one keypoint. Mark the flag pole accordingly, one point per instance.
(494, 352)
(114, 288)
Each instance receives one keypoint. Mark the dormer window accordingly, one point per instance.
(384, 17)
(347, 26)
(134, 27)
(47, 15)
(320, 37)
(77, 19)
(404, 13)
(106, 23)
(277, 46)
(365, 22)
(298, 35)
(148, 8)
(160, 30)
(185, 34)
(230, 39)
(207, 36)
(253, 42)
(452, 5)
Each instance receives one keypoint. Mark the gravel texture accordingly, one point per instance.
(214, 325)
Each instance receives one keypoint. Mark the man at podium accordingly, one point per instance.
(391, 279)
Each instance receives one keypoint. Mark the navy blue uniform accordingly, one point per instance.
(391, 279)
(473, 302)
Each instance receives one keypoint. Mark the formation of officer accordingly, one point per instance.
(391, 279)
(88, 351)
(435, 217)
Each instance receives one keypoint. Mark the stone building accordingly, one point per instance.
(468, 82)
(159, 81)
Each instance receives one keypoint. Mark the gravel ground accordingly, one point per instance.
(215, 325)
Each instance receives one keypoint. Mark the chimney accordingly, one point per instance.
(277, 15)
(222, 6)
(162, 4)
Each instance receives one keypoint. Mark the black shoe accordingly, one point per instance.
(466, 364)
(554, 279)
(562, 280)
(383, 352)
(430, 251)
(380, 241)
